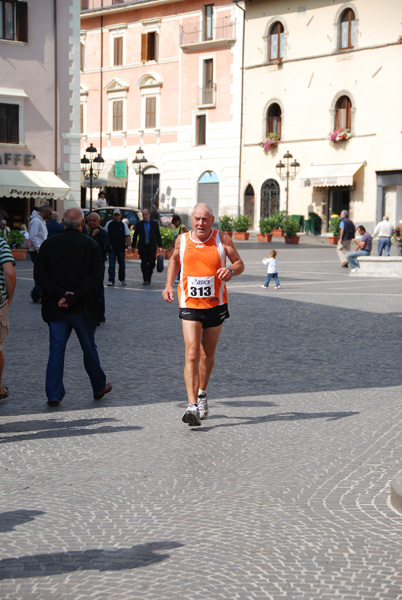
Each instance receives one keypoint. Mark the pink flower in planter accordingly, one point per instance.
(270, 141)
(339, 135)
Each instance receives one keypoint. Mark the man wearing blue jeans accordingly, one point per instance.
(69, 268)
(119, 239)
(363, 248)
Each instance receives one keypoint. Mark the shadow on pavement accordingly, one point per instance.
(43, 565)
(11, 519)
(53, 428)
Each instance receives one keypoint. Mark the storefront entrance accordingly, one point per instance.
(339, 200)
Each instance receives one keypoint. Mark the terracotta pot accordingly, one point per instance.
(292, 239)
(264, 237)
(167, 253)
(241, 235)
(230, 233)
(132, 254)
(277, 232)
(333, 240)
(19, 253)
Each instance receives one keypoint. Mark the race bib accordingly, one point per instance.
(201, 287)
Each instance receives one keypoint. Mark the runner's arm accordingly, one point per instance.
(237, 265)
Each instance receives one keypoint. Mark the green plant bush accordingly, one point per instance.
(334, 225)
(16, 239)
(278, 220)
(266, 225)
(167, 236)
(291, 226)
(226, 223)
(241, 223)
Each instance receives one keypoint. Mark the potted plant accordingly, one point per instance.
(16, 241)
(240, 225)
(339, 135)
(334, 229)
(278, 219)
(270, 141)
(226, 224)
(291, 227)
(167, 236)
(266, 226)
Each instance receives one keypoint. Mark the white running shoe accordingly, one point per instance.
(354, 270)
(192, 416)
(202, 406)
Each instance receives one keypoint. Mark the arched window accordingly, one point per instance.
(343, 113)
(276, 42)
(347, 30)
(274, 120)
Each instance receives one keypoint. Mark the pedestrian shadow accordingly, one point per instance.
(290, 416)
(11, 519)
(248, 403)
(56, 563)
(53, 428)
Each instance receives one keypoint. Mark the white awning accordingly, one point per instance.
(331, 175)
(107, 177)
(39, 185)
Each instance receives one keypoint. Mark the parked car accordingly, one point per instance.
(133, 215)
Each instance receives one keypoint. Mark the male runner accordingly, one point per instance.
(202, 293)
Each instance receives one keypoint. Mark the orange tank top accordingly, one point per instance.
(199, 285)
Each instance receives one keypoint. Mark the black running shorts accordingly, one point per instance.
(209, 317)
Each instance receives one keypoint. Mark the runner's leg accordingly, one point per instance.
(209, 341)
(192, 331)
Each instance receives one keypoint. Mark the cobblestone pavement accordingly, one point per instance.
(282, 493)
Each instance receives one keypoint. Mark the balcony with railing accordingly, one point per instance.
(207, 96)
(194, 36)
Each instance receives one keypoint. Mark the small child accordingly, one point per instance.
(272, 269)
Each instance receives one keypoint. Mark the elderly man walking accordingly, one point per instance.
(346, 235)
(69, 268)
(383, 230)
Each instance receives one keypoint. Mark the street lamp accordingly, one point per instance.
(290, 174)
(91, 168)
(139, 163)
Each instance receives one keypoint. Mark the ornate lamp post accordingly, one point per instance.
(289, 174)
(91, 168)
(139, 163)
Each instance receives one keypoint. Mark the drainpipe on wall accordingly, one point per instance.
(56, 126)
(241, 104)
(101, 86)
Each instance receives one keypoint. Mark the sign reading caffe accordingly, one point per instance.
(15, 158)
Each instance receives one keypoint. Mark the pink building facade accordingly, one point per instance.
(39, 106)
(166, 77)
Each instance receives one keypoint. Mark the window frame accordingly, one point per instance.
(117, 102)
(150, 111)
(11, 122)
(118, 43)
(116, 33)
(149, 51)
(351, 29)
(207, 22)
(273, 122)
(19, 21)
(200, 136)
(348, 113)
(280, 42)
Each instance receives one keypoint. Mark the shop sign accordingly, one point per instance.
(15, 158)
(120, 168)
(166, 218)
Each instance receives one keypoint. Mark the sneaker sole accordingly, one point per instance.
(191, 419)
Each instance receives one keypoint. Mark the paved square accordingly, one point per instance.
(282, 493)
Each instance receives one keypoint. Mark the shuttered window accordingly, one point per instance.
(200, 130)
(14, 20)
(150, 112)
(148, 46)
(118, 115)
(118, 51)
(9, 117)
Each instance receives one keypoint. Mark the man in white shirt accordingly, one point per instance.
(37, 235)
(383, 230)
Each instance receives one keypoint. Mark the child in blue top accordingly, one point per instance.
(272, 270)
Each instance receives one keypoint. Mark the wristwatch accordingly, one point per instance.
(231, 272)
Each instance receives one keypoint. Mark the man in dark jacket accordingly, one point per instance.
(68, 269)
(149, 240)
(100, 236)
(346, 235)
(119, 239)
